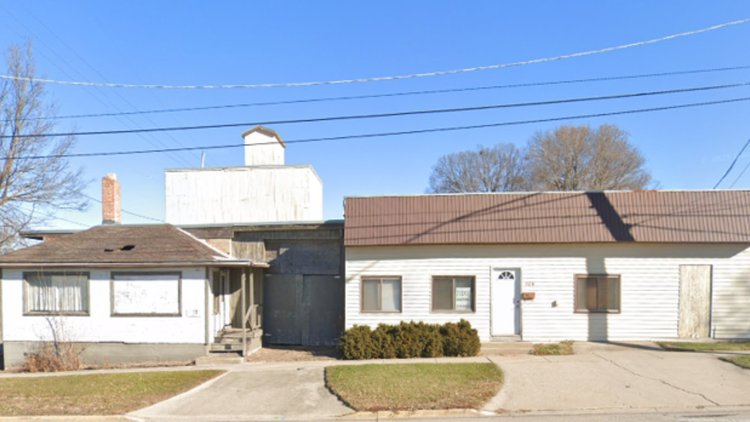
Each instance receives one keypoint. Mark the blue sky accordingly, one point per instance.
(243, 42)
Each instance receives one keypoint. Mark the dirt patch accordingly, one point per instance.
(293, 354)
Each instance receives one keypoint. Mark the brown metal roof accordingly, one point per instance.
(136, 245)
(549, 217)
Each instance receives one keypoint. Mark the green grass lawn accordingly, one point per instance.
(742, 361)
(705, 347)
(547, 349)
(414, 386)
(94, 394)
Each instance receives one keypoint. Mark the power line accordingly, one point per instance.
(100, 97)
(134, 214)
(382, 115)
(731, 166)
(742, 173)
(396, 133)
(394, 94)
(52, 216)
(397, 77)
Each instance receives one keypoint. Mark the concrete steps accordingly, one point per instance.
(230, 340)
(226, 347)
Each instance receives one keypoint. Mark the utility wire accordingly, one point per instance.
(393, 94)
(134, 214)
(398, 77)
(742, 173)
(382, 115)
(731, 166)
(52, 216)
(60, 61)
(396, 133)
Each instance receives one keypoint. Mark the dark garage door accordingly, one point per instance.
(302, 309)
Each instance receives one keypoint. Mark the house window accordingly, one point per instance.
(146, 294)
(597, 293)
(453, 294)
(381, 294)
(56, 293)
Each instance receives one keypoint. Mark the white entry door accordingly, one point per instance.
(506, 299)
(221, 295)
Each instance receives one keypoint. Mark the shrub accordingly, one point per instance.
(53, 357)
(406, 339)
(430, 340)
(383, 343)
(460, 339)
(410, 340)
(356, 343)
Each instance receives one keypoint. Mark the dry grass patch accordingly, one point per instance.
(741, 361)
(550, 349)
(416, 386)
(705, 346)
(93, 394)
(293, 354)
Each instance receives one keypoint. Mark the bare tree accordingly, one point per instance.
(495, 169)
(581, 158)
(30, 188)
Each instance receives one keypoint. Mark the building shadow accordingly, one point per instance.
(598, 323)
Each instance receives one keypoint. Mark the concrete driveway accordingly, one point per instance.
(609, 378)
(255, 391)
(598, 379)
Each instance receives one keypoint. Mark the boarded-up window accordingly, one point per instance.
(455, 294)
(597, 293)
(146, 294)
(57, 293)
(381, 294)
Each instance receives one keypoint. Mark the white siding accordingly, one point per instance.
(649, 283)
(262, 149)
(100, 326)
(243, 195)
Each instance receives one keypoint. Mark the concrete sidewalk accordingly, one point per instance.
(255, 392)
(609, 378)
(598, 379)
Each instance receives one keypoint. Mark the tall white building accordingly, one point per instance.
(264, 190)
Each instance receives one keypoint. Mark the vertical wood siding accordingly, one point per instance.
(243, 195)
(649, 286)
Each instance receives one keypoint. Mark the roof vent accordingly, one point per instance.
(108, 250)
(127, 248)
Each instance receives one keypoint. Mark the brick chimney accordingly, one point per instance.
(111, 210)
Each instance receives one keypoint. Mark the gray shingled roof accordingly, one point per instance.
(549, 217)
(133, 245)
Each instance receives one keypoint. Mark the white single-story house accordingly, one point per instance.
(127, 293)
(599, 266)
